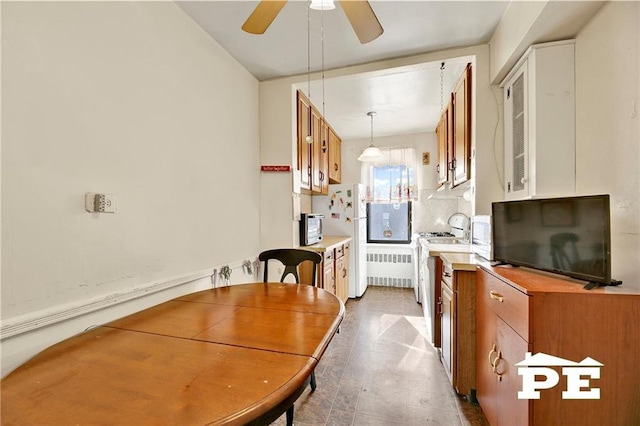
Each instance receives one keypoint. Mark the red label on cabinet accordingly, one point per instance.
(275, 168)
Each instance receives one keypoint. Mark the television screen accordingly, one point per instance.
(569, 235)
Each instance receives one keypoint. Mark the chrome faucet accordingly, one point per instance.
(460, 224)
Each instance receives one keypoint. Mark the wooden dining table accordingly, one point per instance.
(240, 354)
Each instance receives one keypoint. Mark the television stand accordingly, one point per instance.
(593, 284)
(590, 285)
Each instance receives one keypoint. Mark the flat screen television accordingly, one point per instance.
(569, 236)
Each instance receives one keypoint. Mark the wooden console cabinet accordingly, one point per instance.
(520, 310)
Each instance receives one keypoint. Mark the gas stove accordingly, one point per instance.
(438, 234)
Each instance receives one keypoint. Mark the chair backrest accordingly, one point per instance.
(290, 258)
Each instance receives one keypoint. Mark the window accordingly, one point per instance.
(389, 223)
(391, 185)
(392, 179)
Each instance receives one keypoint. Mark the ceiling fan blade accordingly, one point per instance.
(362, 19)
(262, 16)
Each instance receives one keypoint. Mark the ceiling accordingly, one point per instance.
(407, 100)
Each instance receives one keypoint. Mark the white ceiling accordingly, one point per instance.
(407, 100)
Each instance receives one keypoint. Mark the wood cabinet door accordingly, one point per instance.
(335, 157)
(486, 348)
(498, 348)
(323, 165)
(345, 260)
(304, 148)
(511, 349)
(442, 137)
(316, 133)
(461, 104)
(341, 279)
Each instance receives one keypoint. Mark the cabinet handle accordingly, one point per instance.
(494, 365)
(440, 306)
(447, 274)
(496, 296)
(491, 352)
(335, 167)
(438, 168)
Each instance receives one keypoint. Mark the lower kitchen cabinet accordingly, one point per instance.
(528, 317)
(458, 322)
(342, 272)
(333, 272)
(328, 281)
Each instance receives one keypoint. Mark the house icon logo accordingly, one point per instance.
(578, 375)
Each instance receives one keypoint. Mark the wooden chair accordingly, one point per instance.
(291, 259)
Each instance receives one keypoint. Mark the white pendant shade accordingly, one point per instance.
(322, 5)
(372, 153)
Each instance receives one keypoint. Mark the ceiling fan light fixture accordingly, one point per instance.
(322, 5)
(372, 153)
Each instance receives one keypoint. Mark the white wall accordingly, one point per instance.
(608, 127)
(130, 98)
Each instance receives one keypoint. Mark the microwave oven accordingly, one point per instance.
(310, 228)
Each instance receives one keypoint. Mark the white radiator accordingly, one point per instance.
(391, 265)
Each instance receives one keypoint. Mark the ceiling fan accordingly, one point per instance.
(359, 12)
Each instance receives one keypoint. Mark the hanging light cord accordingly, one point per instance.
(322, 48)
(371, 114)
(308, 52)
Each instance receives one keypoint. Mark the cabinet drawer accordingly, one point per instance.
(329, 255)
(447, 275)
(507, 302)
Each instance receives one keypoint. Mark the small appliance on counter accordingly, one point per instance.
(481, 236)
(310, 228)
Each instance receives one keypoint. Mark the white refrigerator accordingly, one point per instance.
(345, 212)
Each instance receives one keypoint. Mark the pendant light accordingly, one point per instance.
(322, 5)
(372, 153)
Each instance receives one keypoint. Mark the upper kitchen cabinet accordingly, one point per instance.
(319, 154)
(315, 156)
(461, 138)
(335, 163)
(539, 120)
(443, 133)
(453, 134)
(304, 148)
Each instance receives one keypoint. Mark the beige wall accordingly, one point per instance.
(608, 127)
(130, 98)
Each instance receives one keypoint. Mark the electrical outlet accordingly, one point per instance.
(100, 203)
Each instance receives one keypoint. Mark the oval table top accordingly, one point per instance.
(229, 355)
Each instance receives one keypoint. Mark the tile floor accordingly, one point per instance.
(381, 370)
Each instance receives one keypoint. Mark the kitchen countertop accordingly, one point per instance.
(435, 249)
(462, 261)
(328, 242)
